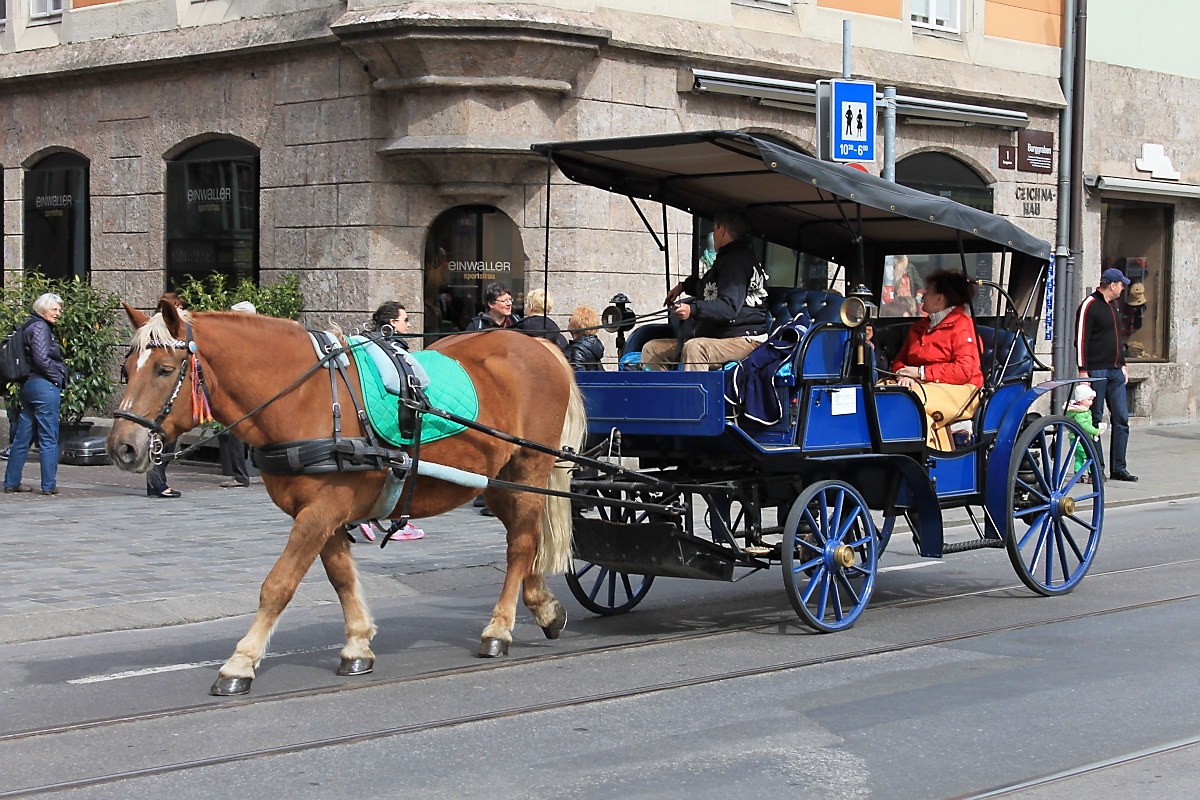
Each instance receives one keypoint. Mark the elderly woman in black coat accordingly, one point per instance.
(41, 396)
(585, 350)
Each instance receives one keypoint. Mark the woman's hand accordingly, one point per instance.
(906, 382)
(912, 373)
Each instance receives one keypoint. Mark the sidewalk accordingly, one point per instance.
(102, 556)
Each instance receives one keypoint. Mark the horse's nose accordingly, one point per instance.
(123, 454)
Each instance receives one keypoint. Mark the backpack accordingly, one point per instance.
(14, 364)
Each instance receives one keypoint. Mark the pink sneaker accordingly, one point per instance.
(409, 532)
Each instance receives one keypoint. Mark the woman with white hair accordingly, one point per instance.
(41, 395)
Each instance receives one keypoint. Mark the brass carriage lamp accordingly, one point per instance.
(858, 309)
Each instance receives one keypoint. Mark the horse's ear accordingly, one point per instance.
(171, 317)
(136, 318)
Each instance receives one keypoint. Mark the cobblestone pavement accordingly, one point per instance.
(102, 556)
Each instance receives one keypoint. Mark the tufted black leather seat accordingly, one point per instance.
(821, 306)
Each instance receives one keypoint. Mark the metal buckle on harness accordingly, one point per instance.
(157, 445)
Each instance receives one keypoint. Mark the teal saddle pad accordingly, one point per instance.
(450, 389)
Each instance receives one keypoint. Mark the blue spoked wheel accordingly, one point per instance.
(1058, 511)
(605, 591)
(599, 589)
(830, 553)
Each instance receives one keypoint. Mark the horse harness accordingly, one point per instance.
(309, 456)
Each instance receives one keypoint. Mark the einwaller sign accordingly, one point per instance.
(1035, 151)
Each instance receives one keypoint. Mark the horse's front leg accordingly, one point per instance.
(357, 658)
(309, 532)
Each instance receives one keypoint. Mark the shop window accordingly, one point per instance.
(56, 217)
(940, 14)
(212, 213)
(1136, 240)
(467, 248)
(904, 275)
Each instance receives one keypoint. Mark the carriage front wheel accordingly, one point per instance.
(1057, 510)
(830, 554)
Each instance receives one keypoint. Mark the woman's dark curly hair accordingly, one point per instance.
(385, 314)
(954, 286)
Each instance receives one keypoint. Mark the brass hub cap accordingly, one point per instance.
(844, 556)
(1067, 504)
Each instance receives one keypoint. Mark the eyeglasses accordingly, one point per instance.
(504, 301)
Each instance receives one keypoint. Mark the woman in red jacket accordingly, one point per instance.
(940, 358)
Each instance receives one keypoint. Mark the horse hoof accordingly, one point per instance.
(490, 648)
(356, 666)
(228, 687)
(557, 624)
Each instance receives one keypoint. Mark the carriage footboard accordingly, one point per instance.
(652, 548)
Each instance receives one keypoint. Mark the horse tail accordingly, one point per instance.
(554, 525)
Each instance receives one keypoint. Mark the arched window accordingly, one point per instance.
(904, 274)
(944, 175)
(57, 242)
(467, 248)
(212, 213)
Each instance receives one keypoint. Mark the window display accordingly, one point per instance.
(1136, 240)
(57, 242)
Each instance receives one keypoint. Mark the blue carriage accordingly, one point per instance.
(820, 491)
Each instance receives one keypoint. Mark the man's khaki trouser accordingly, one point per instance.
(698, 354)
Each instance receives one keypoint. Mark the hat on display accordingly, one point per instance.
(1112, 275)
(1137, 295)
(1082, 392)
(245, 307)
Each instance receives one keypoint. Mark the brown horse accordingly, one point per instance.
(524, 385)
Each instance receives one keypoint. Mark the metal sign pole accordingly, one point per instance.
(845, 48)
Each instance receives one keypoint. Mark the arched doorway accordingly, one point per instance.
(904, 274)
(469, 247)
(57, 211)
(212, 213)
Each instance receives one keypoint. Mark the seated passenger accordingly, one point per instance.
(585, 350)
(727, 305)
(499, 310)
(538, 306)
(940, 358)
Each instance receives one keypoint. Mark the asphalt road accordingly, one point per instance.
(955, 681)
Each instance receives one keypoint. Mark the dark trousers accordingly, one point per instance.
(1110, 388)
(156, 477)
(233, 452)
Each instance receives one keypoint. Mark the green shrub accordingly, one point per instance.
(88, 332)
(282, 299)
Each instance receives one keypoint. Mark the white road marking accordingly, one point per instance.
(914, 565)
(139, 673)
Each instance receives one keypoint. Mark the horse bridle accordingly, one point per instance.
(201, 408)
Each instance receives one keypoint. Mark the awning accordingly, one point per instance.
(792, 199)
(1104, 183)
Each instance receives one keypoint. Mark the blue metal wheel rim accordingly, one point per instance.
(827, 595)
(1054, 530)
(605, 591)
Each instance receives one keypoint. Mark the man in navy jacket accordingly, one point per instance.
(1101, 360)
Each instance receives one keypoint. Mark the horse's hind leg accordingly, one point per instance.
(519, 513)
(307, 538)
(357, 658)
(547, 611)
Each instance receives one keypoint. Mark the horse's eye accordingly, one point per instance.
(165, 369)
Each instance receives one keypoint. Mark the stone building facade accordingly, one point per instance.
(370, 145)
(1142, 206)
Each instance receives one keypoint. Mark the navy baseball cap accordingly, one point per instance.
(1113, 275)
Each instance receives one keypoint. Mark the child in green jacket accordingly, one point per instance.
(1080, 410)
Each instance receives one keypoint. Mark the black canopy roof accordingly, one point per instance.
(792, 199)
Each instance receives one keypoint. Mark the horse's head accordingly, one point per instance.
(158, 401)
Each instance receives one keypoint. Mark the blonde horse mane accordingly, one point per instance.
(155, 332)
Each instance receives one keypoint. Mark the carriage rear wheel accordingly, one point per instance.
(1057, 511)
(830, 555)
(599, 589)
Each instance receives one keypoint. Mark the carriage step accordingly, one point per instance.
(975, 544)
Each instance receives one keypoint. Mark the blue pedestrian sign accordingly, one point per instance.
(852, 120)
